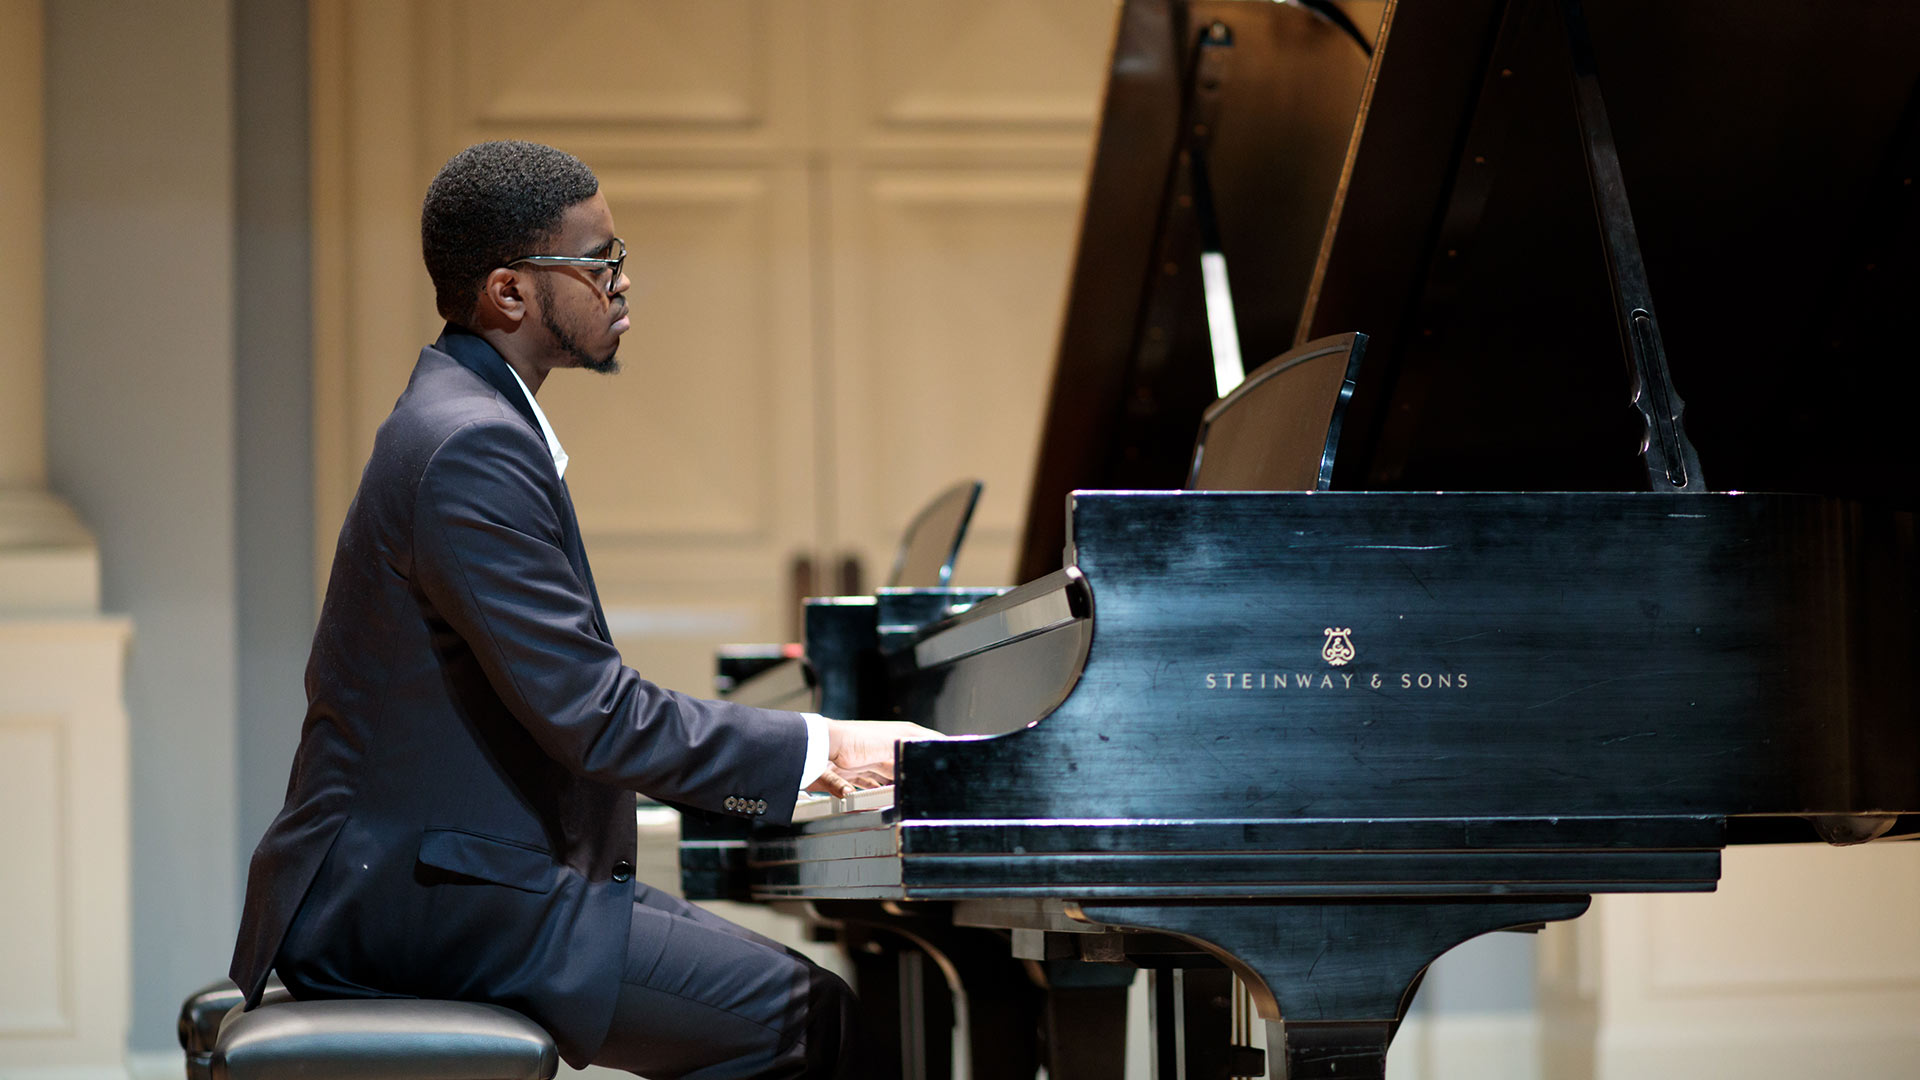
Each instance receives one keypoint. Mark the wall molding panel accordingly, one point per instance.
(683, 63)
(65, 997)
(36, 998)
(705, 266)
(754, 153)
(964, 272)
(1805, 963)
(965, 83)
(983, 63)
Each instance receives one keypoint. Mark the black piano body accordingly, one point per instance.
(1320, 737)
(1610, 720)
(1234, 718)
(1336, 665)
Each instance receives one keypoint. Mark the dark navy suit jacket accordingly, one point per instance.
(460, 819)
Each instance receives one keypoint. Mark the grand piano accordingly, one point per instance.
(1496, 644)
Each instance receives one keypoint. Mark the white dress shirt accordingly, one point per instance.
(816, 762)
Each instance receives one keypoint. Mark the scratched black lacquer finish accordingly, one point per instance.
(1531, 703)
(1320, 738)
(1512, 655)
(1529, 700)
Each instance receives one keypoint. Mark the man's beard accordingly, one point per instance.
(570, 344)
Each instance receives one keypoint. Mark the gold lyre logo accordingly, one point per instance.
(1339, 647)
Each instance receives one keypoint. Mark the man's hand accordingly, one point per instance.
(860, 753)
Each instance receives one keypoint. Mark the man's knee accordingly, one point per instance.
(833, 1041)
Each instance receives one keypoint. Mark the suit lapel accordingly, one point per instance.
(474, 354)
(577, 555)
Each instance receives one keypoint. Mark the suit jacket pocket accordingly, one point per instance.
(502, 862)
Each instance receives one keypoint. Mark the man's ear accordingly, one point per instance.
(503, 300)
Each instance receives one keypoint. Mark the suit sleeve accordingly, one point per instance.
(488, 558)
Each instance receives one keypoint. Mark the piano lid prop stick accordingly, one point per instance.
(1210, 70)
(1229, 370)
(1672, 463)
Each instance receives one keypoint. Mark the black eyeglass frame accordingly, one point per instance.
(614, 264)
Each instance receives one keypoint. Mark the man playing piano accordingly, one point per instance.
(460, 819)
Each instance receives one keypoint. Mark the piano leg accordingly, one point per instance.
(1086, 1019)
(1332, 1051)
(905, 1006)
(906, 970)
(1333, 978)
(1192, 1018)
(926, 1017)
(1004, 1004)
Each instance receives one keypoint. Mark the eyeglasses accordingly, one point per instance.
(612, 265)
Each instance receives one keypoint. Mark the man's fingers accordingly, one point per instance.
(868, 777)
(853, 743)
(832, 783)
(861, 753)
(843, 780)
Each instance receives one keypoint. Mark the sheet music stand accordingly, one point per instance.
(931, 543)
(1279, 429)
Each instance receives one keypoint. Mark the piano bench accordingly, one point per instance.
(202, 1012)
(382, 1039)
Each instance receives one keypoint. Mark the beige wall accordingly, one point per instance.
(63, 730)
(273, 401)
(140, 436)
(178, 366)
(1805, 962)
(850, 224)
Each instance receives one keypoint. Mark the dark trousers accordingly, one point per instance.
(722, 1002)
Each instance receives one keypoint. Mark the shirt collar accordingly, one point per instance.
(546, 429)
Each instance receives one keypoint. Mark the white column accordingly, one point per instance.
(23, 458)
(48, 564)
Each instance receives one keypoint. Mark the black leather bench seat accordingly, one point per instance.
(383, 1039)
(202, 1013)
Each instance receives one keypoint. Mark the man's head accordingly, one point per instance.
(510, 232)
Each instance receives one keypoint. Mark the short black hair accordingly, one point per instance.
(494, 201)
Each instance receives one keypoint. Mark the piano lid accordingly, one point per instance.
(1769, 149)
(1271, 113)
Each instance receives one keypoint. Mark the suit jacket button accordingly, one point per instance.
(733, 803)
(760, 806)
(623, 871)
